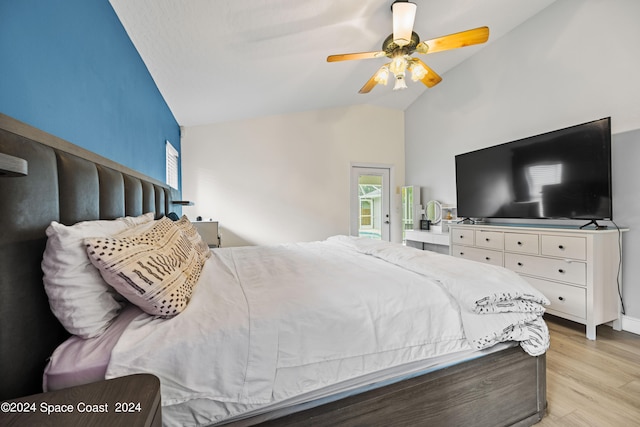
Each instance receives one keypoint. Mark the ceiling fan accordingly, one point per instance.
(403, 42)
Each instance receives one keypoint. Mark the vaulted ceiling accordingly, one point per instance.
(222, 60)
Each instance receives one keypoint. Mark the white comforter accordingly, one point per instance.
(268, 323)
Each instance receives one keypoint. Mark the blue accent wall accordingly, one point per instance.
(69, 68)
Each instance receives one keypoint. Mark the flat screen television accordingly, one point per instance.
(563, 174)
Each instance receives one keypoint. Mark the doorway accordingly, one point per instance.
(369, 213)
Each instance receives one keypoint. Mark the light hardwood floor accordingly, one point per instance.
(592, 383)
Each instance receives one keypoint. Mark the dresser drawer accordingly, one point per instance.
(565, 247)
(461, 237)
(477, 254)
(554, 269)
(525, 243)
(564, 298)
(490, 239)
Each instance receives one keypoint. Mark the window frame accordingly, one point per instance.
(172, 165)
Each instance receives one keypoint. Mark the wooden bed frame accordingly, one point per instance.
(68, 184)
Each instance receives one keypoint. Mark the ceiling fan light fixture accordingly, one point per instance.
(398, 64)
(404, 15)
(400, 83)
(418, 72)
(382, 76)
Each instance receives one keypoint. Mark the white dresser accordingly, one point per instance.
(578, 270)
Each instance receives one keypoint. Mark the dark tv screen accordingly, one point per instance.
(561, 174)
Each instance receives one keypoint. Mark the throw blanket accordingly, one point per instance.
(496, 304)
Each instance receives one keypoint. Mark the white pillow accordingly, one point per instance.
(133, 221)
(78, 296)
(135, 229)
(155, 270)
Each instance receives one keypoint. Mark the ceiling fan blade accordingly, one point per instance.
(350, 56)
(454, 41)
(370, 84)
(431, 78)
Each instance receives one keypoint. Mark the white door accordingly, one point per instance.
(370, 202)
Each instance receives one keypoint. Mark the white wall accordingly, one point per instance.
(575, 61)
(286, 178)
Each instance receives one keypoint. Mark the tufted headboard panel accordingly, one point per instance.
(68, 184)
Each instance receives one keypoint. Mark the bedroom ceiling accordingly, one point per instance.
(216, 61)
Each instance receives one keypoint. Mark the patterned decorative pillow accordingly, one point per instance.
(192, 233)
(155, 270)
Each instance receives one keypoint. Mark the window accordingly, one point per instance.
(370, 192)
(407, 208)
(366, 213)
(172, 165)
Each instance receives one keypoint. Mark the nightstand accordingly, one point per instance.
(133, 400)
(208, 230)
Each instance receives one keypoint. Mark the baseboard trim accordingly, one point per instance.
(631, 324)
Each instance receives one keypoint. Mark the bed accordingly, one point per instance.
(501, 384)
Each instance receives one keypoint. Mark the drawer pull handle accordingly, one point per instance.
(486, 239)
(461, 236)
(461, 253)
(519, 264)
(487, 258)
(519, 243)
(561, 271)
(561, 247)
(561, 298)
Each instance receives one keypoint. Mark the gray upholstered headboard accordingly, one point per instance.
(67, 184)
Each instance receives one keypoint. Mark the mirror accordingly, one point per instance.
(433, 211)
